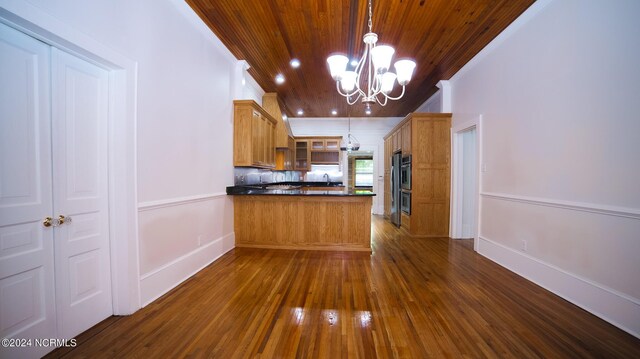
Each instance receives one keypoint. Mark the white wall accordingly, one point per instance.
(558, 92)
(185, 82)
(369, 131)
(433, 104)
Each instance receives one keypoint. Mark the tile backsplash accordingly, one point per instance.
(244, 175)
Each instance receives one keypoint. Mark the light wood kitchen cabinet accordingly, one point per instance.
(397, 141)
(427, 138)
(272, 107)
(253, 135)
(323, 150)
(323, 144)
(302, 155)
(406, 139)
(332, 145)
(319, 222)
(285, 157)
(317, 145)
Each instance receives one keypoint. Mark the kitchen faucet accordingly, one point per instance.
(327, 177)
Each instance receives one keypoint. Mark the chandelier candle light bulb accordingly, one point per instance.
(371, 79)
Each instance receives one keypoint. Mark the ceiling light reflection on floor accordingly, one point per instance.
(298, 315)
(331, 316)
(361, 318)
(365, 318)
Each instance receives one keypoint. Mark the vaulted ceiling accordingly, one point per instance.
(440, 35)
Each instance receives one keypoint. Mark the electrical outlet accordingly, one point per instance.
(484, 168)
(524, 245)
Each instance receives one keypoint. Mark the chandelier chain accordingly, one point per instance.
(370, 16)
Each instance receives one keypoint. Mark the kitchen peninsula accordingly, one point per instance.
(302, 216)
(291, 215)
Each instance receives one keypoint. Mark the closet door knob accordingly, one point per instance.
(62, 220)
(47, 222)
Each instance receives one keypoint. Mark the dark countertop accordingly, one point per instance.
(297, 189)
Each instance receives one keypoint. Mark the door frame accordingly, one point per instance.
(122, 150)
(467, 122)
(375, 206)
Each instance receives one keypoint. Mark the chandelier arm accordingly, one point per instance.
(382, 103)
(345, 94)
(396, 98)
(377, 85)
(363, 59)
(349, 102)
(359, 69)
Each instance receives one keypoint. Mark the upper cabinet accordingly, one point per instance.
(317, 145)
(317, 150)
(253, 135)
(325, 144)
(272, 107)
(405, 138)
(302, 155)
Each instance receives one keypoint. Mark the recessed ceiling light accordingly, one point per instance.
(295, 63)
(334, 112)
(354, 62)
(300, 112)
(279, 79)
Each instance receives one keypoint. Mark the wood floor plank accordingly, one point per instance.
(411, 298)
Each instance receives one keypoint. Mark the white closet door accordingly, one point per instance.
(79, 111)
(26, 247)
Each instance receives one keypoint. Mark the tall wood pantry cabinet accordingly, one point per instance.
(426, 137)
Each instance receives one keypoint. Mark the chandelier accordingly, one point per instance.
(371, 79)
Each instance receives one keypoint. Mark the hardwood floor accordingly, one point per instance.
(411, 298)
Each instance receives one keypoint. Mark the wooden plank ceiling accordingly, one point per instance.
(440, 35)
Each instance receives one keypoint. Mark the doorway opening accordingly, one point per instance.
(468, 166)
(464, 211)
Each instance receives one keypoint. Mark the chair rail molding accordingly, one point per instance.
(151, 205)
(624, 212)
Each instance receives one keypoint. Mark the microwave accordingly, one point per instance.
(405, 173)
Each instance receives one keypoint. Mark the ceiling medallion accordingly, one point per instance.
(371, 79)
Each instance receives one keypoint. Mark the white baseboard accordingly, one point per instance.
(155, 284)
(613, 307)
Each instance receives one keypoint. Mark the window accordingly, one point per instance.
(364, 172)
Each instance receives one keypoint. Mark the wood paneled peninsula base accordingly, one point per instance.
(313, 222)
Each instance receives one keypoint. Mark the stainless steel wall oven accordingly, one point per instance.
(405, 173)
(405, 199)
